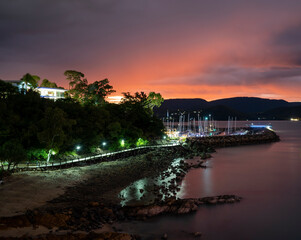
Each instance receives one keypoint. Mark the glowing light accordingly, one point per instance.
(115, 99)
(295, 119)
(78, 147)
(269, 127)
(104, 144)
(122, 143)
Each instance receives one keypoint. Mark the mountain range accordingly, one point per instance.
(242, 108)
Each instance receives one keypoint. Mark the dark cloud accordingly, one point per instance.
(240, 76)
(287, 44)
(290, 36)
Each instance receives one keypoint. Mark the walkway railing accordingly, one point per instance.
(110, 156)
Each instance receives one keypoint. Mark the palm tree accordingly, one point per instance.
(30, 81)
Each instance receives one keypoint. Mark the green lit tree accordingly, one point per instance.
(55, 126)
(154, 100)
(85, 93)
(147, 101)
(97, 92)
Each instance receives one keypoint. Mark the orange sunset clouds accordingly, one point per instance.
(182, 49)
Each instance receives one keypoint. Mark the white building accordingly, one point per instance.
(50, 93)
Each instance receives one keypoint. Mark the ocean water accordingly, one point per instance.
(267, 176)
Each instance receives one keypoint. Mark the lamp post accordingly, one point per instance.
(122, 143)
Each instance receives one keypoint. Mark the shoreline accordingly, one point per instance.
(91, 202)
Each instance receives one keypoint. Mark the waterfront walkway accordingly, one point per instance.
(265, 136)
(111, 156)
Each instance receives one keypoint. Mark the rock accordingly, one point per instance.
(93, 204)
(188, 206)
(230, 200)
(52, 220)
(165, 236)
(213, 201)
(197, 234)
(107, 213)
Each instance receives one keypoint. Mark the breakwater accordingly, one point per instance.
(265, 136)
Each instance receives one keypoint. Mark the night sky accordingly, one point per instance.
(180, 48)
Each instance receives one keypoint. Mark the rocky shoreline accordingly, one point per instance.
(91, 204)
(95, 214)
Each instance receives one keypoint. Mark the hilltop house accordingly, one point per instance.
(50, 93)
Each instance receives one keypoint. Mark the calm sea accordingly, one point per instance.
(267, 176)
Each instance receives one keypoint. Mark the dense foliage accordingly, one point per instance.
(39, 129)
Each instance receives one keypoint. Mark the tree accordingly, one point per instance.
(30, 81)
(12, 152)
(97, 92)
(7, 89)
(54, 125)
(74, 77)
(154, 100)
(149, 102)
(48, 84)
(140, 98)
(79, 89)
(77, 85)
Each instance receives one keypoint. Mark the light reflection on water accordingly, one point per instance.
(144, 191)
(267, 176)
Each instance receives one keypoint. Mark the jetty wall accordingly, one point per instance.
(265, 136)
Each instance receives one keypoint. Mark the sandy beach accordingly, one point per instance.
(28, 190)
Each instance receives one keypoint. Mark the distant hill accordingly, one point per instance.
(221, 112)
(250, 104)
(240, 107)
(174, 105)
(282, 113)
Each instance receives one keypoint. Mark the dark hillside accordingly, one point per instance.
(250, 104)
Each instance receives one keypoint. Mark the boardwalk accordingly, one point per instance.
(91, 159)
